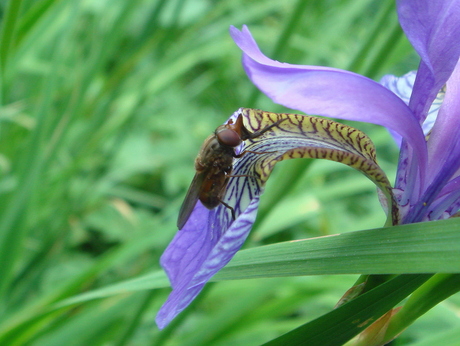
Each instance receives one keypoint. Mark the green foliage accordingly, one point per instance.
(104, 105)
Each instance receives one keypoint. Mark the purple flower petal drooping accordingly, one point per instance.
(203, 247)
(421, 115)
(403, 86)
(210, 238)
(329, 92)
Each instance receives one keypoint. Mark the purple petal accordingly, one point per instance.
(329, 92)
(447, 203)
(444, 148)
(444, 140)
(444, 144)
(402, 86)
(197, 253)
(444, 136)
(189, 248)
(433, 28)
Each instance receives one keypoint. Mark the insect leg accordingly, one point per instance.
(229, 207)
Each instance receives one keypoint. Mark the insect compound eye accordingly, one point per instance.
(228, 137)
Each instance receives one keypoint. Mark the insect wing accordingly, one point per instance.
(191, 198)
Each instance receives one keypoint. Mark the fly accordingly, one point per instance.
(214, 165)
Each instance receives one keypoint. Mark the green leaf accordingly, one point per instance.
(348, 320)
(8, 31)
(149, 281)
(408, 249)
(416, 248)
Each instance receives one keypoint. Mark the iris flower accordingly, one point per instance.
(421, 110)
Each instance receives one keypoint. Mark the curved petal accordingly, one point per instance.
(444, 141)
(329, 92)
(403, 86)
(189, 248)
(433, 29)
(197, 253)
(210, 238)
(301, 136)
(444, 147)
(448, 202)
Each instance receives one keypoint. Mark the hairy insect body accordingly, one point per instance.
(215, 161)
(214, 165)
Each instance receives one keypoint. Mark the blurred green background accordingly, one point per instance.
(104, 105)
